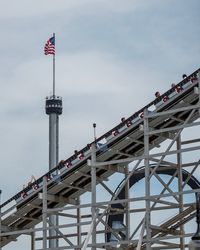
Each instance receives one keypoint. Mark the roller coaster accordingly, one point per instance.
(147, 151)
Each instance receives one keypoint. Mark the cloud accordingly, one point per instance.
(28, 8)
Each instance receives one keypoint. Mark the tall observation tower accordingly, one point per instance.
(53, 108)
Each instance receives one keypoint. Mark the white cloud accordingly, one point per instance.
(88, 73)
(30, 8)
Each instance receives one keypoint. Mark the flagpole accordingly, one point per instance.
(54, 70)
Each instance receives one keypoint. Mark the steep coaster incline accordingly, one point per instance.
(72, 177)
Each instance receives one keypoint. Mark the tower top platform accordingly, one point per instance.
(53, 105)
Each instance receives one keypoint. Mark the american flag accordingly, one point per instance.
(49, 48)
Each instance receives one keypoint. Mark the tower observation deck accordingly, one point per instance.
(53, 105)
(148, 167)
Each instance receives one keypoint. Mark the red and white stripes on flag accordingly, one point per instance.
(49, 48)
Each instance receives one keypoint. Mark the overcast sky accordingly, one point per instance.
(111, 56)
